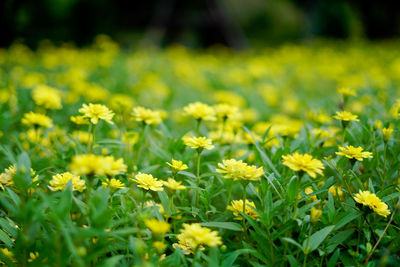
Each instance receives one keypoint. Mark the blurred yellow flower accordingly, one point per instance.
(59, 182)
(200, 111)
(37, 120)
(194, 235)
(237, 207)
(147, 116)
(90, 164)
(47, 96)
(157, 227)
(79, 120)
(198, 143)
(173, 184)
(113, 184)
(345, 116)
(315, 214)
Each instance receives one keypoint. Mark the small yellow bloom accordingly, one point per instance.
(239, 170)
(174, 185)
(304, 162)
(148, 182)
(159, 246)
(308, 190)
(33, 256)
(345, 116)
(237, 206)
(80, 120)
(198, 143)
(200, 111)
(346, 92)
(194, 235)
(315, 214)
(47, 96)
(352, 152)
(90, 164)
(113, 184)
(387, 133)
(37, 120)
(157, 227)
(177, 165)
(336, 191)
(147, 116)
(9, 254)
(59, 182)
(151, 203)
(370, 200)
(95, 112)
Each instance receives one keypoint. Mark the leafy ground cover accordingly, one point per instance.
(284, 156)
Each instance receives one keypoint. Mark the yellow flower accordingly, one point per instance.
(198, 143)
(79, 120)
(336, 191)
(60, 181)
(157, 227)
(37, 120)
(345, 116)
(303, 162)
(308, 190)
(33, 256)
(200, 111)
(47, 97)
(345, 91)
(315, 214)
(113, 184)
(239, 170)
(7, 177)
(151, 203)
(387, 133)
(9, 254)
(90, 164)
(352, 152)
(148, 182)
(194, 235)
(147, 116)
(225, 111)
(95, 112)
(237, 206)
(159, 246)
(370, 200)
(174, 185)
(177, 165)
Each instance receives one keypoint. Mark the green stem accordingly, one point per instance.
(197, 179)
(198, 122)
(228, 199)
(90, 138)
(307, 244)
(244, 212)
(384, 166)
(296, 200)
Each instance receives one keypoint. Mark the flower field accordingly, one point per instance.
(284, 156)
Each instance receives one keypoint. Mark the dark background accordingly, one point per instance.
(196, 23)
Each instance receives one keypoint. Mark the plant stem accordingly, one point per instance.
(307, 244)
(296, 200)
(90, 138)
(197, 179)
(244, 212)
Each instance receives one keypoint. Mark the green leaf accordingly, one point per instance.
(228, 261)
(291, 241)
(292, 189)
(346, 219)
(113, 261)
(225, 225)
(332, 261)
(316, 239)
(5, 239)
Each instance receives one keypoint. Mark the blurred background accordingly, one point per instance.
(196, 23)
